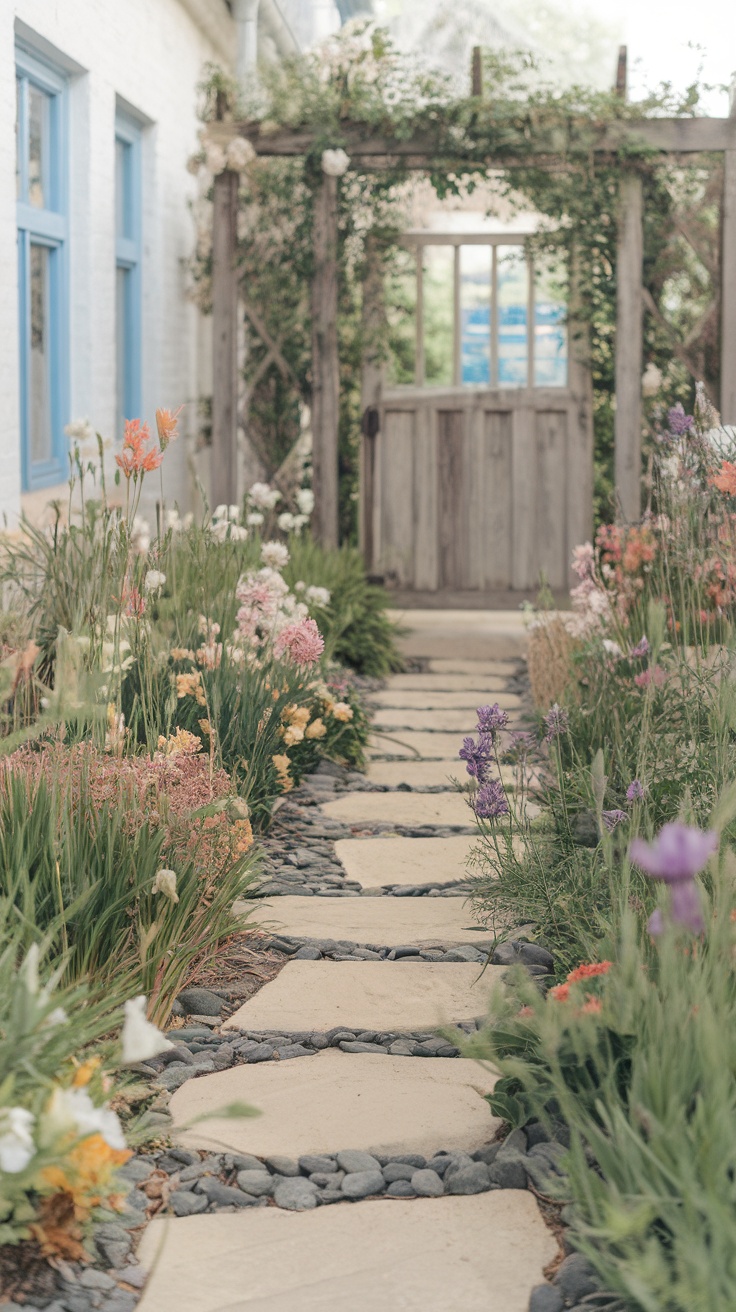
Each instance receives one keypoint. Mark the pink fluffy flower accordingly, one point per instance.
(302, 642)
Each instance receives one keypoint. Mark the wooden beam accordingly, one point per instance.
(325, 365)
(621, 87)
(225, 372)
(629, 311)
(476, 72)
(373, 328)
(728, 290)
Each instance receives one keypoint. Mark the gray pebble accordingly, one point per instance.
(187, 1204)
(256, 1183)
(311, 1162)
(508, 1171)
(294, 1050)
(223, 1195)
(371, 1049)
(136, 1169)
(172, 1077)
(92, 1278)
(362, 1184)
(545, 1298)
(200, 1002)
(401, 1189)
(282, 1165)
(352, 1160)
(113, 1250)
(327, 1181)
(403, 1048)
(468, 1179)
(575, 1278)
(308, 954)
(487, 1154)
(398, 1171)
(295, 1194)
(330, 1196)
(427, 1184)
(261, 1052)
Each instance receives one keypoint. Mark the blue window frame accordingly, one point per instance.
(41, 203)
(127, 269)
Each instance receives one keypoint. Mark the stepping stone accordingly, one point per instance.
(481, 1254)
(424, 699)
(412, 745)
(377, 862)
(338, 1100)
(384, 921)
(477, 634)
(401, 809)
(481, 685)
(430, 774)
(478, 669)
(373, 995)
(453, 720)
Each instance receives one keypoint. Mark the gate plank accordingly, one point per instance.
(494, 471)
(452, 540)
(426, 573)
(397, 484)
(551, 516)
(524, 572)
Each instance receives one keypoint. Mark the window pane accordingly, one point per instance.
(18, 162)
(122, 188)
(39, 119)
(401, 304)
(121, 323)
(475, 314)
(40, 363)
(512, 316)
(550, 329)
(438, 314)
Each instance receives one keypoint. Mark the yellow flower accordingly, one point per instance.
(293, 734)
(282, 769)
(342, 711)
(297, 715)
(181, 743)
(84, 1073)
(181, 654)
(317, 729)
(190, 685)
(206, 728)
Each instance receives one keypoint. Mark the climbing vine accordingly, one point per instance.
(544, 137)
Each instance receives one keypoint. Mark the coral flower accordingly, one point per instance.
(167, 426)
(592, 1007)
(588, 971)
(726, 480)
(136, 457)
(560, 992)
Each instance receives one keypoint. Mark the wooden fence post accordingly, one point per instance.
(223, 463)
(728, 282)
(629, 341)
(325, 365)
(373, 322)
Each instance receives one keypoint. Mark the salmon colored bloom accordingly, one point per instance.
(592, 1007)
(167, 426)
(560, 992)
(726, 480)
(136, 456)
(589, 970)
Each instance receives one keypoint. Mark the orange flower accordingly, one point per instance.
(84, 1073)
(588, 971)
(726, 480)
(592, 1007)
(85, 1181)
(560, 992)
(135, 458)
(167, 426)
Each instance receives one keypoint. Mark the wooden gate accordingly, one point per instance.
(479, 487)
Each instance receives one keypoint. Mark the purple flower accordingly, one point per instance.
(641, 649)
(477, 756)
(685, 909)
(490, 801)
(678, 853)
(556, 722)
(491, 719)
(635, 791)
(678, 421)
(613, 818)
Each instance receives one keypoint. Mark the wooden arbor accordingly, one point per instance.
(681, 139)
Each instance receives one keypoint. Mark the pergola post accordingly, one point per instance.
(373, 323)
(325, 365)
(728, 282)
(225, 381)
(629, 342)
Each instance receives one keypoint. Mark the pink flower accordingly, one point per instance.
(302, 642)
(583, 559)
(657, 676)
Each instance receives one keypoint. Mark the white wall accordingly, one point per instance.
(150, 54)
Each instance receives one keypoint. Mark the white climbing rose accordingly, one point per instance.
(239, 154)
(335, 163)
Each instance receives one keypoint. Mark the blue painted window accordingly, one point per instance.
(41, 203)
(127, 269)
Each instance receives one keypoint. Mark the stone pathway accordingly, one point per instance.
(385, 961)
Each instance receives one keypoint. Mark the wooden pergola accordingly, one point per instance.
(680, 139)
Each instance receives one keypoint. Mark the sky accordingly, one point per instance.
(658, 33)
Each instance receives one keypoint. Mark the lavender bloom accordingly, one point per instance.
(641, 649)
(613, 818)
(476, 756)
(491, 719)
(635, 791)
(556, 722)
(684, 907)
(490, 802)
(679, 422)
(678, 853)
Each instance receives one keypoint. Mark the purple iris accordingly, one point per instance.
(477, 756)
(491, 719)
(676, 856)
(635, 791)
(679, 423)
(613, 818)
(641, 649)
(556, 722)
(490, 802)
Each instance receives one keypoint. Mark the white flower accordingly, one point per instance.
(286, 522)
(263, 496)
(165, 882)
(215, 157)
(140, 535)
(651, 381)
(335, 163)
(29, 969)
(274, 554)
(254, 519)
(81, 431)
(220, 512)
(239, 154)
(56, 1017)
(300, 585)
(16, 1139)
(238, 533)
(72, 1110)
(318, 596)
(612, 648)
(305, 500)
(154, 581)
(299, 522)
(173, 520)
(141, 1040)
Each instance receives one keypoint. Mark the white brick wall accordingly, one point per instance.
(150, 54)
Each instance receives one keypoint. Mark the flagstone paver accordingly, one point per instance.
(474, 634)
(459, 722)
(450, 809)
(380, 862)
(482, 684)
(372, 995)
(428, 699)
(417, 774)
(408, 743)
(336, 1100)
(384, 921)
(481, 1254)
(458, 664)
